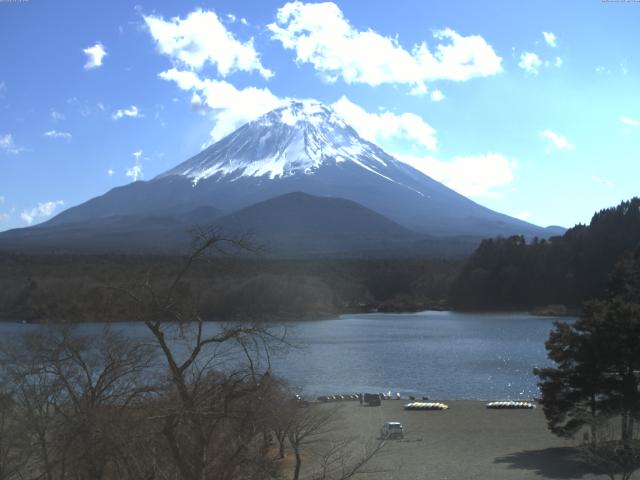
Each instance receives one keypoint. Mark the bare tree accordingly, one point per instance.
(73, 392)
(37, 395)
(315, 430)
(215, 373)
(337, 463)
(277, 404)
(223, 399)
(309, 426)
(13, 454)
(190, 401)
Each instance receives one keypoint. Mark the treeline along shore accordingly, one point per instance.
(564, 271)
(93, 287)
(549, 276)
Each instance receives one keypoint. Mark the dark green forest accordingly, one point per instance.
(502, 274)
(515, 274)
(94, 287)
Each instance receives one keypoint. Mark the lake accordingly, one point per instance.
(445, 355)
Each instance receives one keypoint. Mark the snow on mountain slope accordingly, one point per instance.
(298, 138)
(303, 146)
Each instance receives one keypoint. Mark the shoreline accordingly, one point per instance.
(309, 318)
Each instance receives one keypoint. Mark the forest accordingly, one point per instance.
(183, 402)
(78, 288)
(542, 275)
(516, 274)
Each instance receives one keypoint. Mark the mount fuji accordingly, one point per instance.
(303, 152)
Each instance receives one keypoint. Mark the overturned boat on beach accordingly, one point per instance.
(511, 404)
(426, 406)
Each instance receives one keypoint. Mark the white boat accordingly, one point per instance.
(511, 404)
(426, 406)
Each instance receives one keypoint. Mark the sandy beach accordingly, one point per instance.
(467, 441)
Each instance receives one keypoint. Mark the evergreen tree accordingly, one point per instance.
(596, 380)
(511, 273)
(570, 391)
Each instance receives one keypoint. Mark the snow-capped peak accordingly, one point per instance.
(310, 111)
(296, 138)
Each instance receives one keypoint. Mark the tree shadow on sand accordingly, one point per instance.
(557, 462)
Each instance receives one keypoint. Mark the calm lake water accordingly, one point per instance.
(444, 355)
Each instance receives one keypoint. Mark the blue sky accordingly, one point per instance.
(529, 108)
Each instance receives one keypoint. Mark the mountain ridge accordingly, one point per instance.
(293, 225)
(300, 147)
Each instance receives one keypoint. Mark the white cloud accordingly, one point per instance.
(95, 55)
(135, 172)
(110, 172)
(630, 122)
(530, 63)
(471, 175)
(558, 141)
(201, 38)
(132, 112)
(232, 107)
(185, 80)
(624, 68)
(56, 115)
(196, 102)
(557, 62)
(45, 209)
(7, 145)
(550, 38)
(525, 216)
(602, 181)
(477, 175)
(321, 35)
(386, 126)
(437, 96)
(231, 17)
(56, 134)
(244, 22)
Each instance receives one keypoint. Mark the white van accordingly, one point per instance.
(392, 430)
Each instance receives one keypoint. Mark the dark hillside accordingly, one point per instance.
(510, 273)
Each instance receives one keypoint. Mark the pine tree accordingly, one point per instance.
(596, 380)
